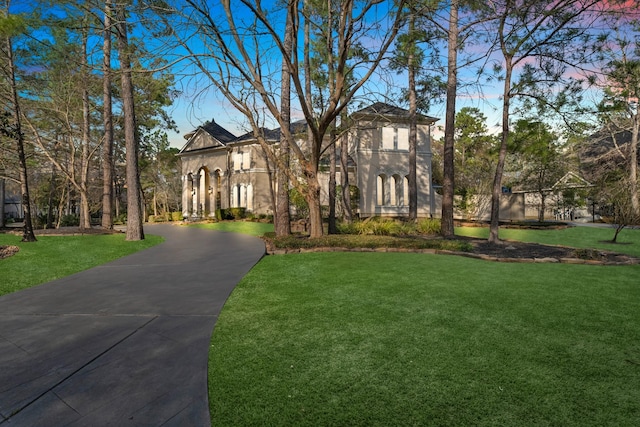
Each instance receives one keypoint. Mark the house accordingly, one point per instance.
(562, 200)
(220, 170)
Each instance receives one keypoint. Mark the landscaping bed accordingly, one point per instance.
(507, 251)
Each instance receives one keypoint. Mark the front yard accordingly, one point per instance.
(419, 339)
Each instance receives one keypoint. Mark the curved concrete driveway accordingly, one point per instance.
(125, 343)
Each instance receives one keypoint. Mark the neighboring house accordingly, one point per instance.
(556, 207)
(220, 170)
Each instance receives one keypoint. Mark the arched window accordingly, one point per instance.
(381, 192)
(393, 194)
(242, 202)
(217, 189)
(405, 192)
(250, 197)
(397, 194)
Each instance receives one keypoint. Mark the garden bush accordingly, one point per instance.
(429, 226)
(69, 221)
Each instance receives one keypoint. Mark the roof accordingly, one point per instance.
(388, 111)
(269, 135)
(218, 132)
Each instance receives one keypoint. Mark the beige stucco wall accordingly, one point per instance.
(373, 161)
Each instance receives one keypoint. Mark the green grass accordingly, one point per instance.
(390, 339)
(576, 237)
(243, 227)
(52, 257)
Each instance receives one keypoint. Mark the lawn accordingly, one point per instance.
(417, 339)
(52, 257)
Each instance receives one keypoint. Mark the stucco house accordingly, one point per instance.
(220, 170)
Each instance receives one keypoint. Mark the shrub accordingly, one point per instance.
(157, 218)
(69, 221)
(429, 226)
(176, 216)
(348, 227)
(237, 213)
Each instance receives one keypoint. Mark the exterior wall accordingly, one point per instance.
(512, 208)
(382, 157)
(379, 149)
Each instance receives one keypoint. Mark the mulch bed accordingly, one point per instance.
(519, 251)
(7, 251)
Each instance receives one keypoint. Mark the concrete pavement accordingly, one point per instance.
(125, 343)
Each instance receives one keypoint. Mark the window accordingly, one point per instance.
(388, 137)
(403, 139)
(405, 193)
(395, 138)
(246, 159)
(249, 205)
(381, 190)
(393, 194)
(397, 191)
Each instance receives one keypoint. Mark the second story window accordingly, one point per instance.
(395, 138)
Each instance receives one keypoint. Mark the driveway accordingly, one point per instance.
(125, 343)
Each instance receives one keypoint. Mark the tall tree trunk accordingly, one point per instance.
(134, 200)
(448, 155)
(633, 163)
(413, 126)
(85, 214)
(107, 118)
(332, 76)
(2, 181)
(50, 200)
(344, 168)
(312, 195)
(333, 228)
(496, 191)
(543, 207)
(282, 217)
(27, 234)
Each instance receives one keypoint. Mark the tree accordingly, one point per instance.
(463, 19)
(9, 27)
(241, 70)
(282, 220)
(107, 120)
(542, 163)
(525, 31)
(449, 126)
(615, 195)
(474, 159)
(135, 229)
(620, 109)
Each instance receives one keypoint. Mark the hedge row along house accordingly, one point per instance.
(221, 170)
